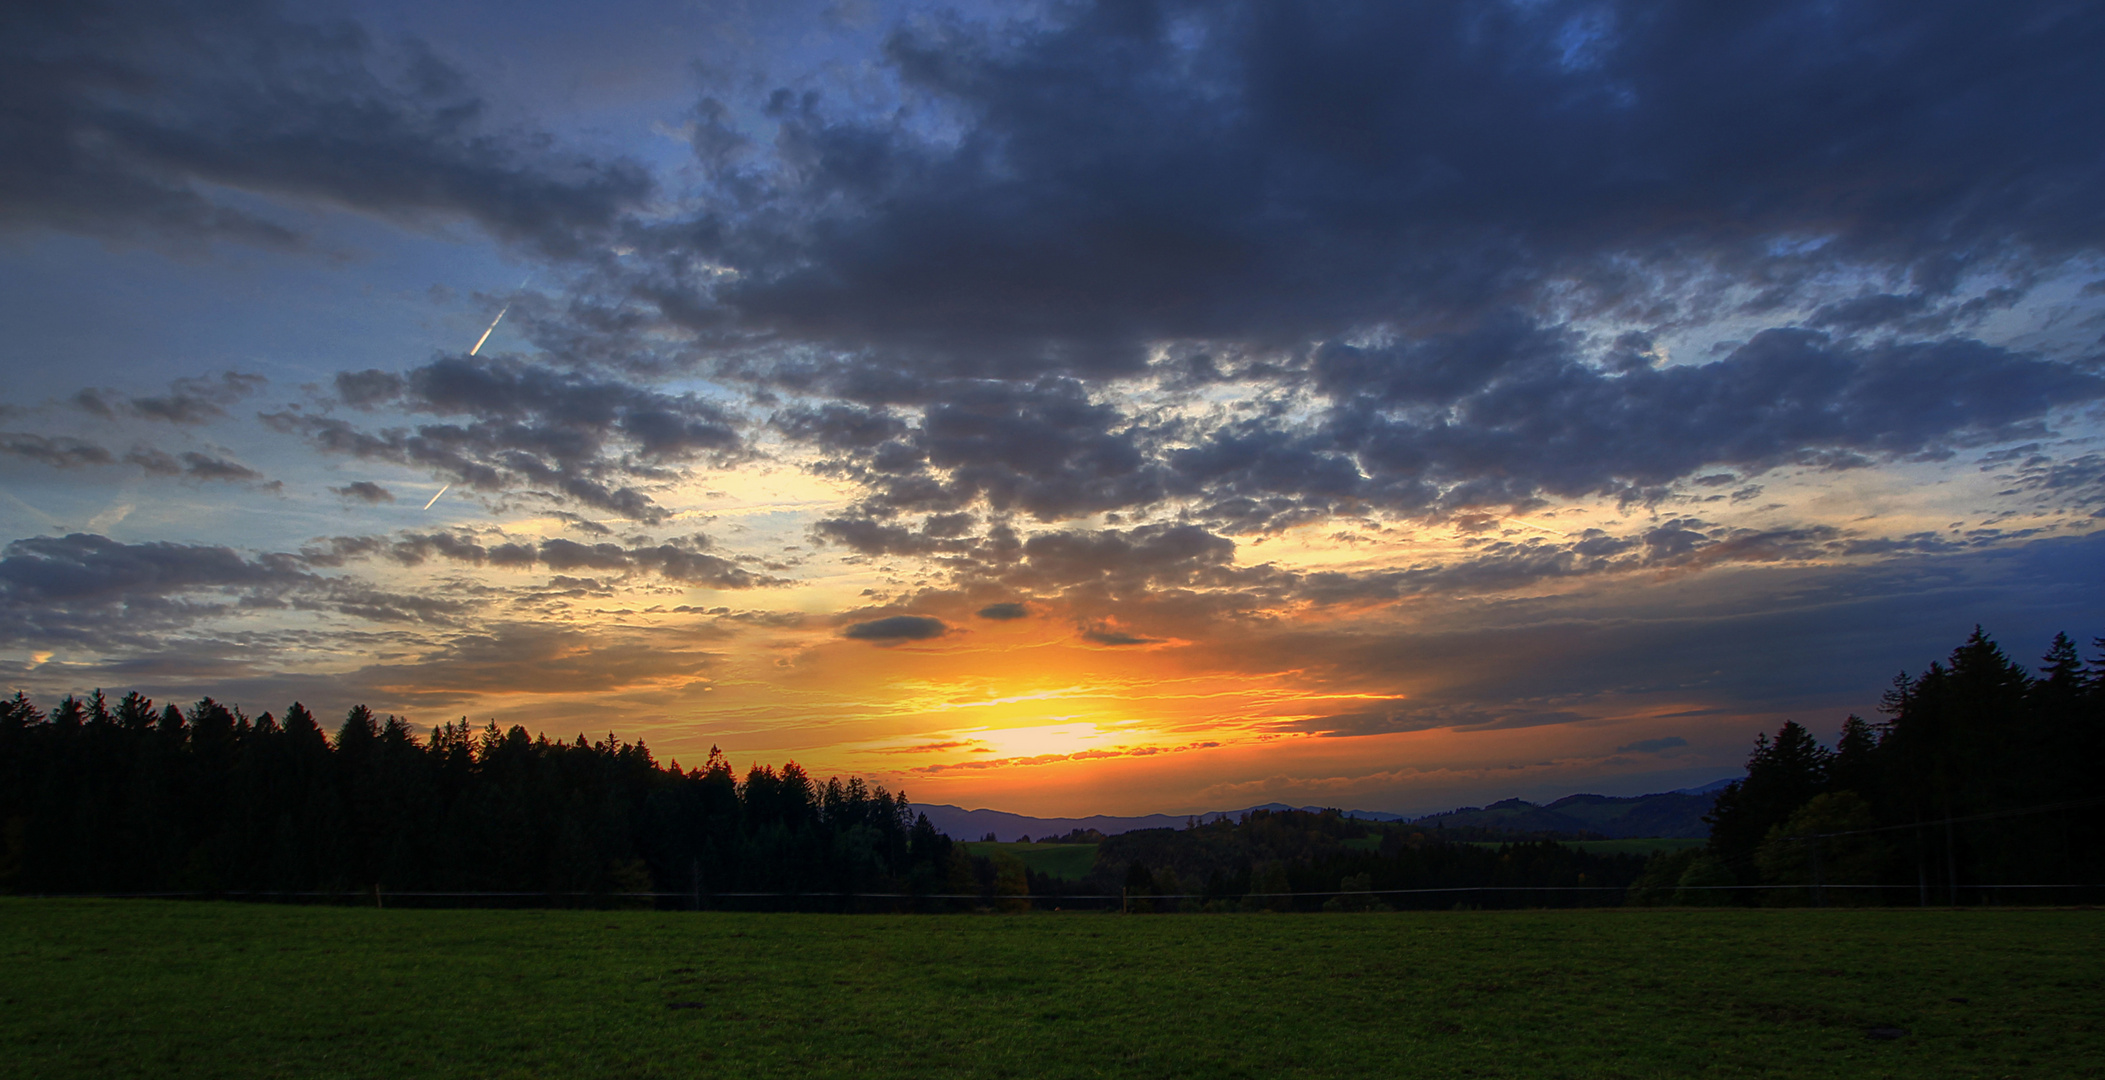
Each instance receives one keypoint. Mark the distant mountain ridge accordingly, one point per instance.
(1669, 813)
(959, 823)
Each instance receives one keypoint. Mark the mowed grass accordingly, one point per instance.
(178, 989)
(1070, 862)
(1650, 845)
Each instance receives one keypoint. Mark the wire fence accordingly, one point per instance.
(2021, 811)
(1495, 895)
(1814, 890)
(1814, 844)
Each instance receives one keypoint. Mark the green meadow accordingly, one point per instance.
(183, 989)
(1070, 862)
(1650, 845)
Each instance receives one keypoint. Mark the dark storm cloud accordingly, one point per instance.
(91, 590)
(1102, 633)
(869, 537)
(192, 464)
(590, 439)
(1866, 313)
(365, 491)
(126, 119)
(188, 401)
(1557, 425)
(2077, 483)
(1463, 230)
(682, 563)
(1178, 580)
(1518, 563)
(1503, 413)
(370, 603)
(1041, 448)
(161, 598)
(1133, 172)
(1252, 474)
(65, 451)
(413, 549)
(58, 451)
(208, 467)
(1508, 413)
(86, 567)
(895, 629)
(1108, 561)
(1123, 561)
(544, 407)
(1397, 209)
(684, 560)
(836, 426)
(582, 524)
(1397, 260)
(522, 658)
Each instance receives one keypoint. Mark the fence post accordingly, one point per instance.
(1951, 857)
(1819, 898)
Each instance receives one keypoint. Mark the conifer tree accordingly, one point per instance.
(1854, 766)
(129, 797)
(135, 712)
(1781, 776)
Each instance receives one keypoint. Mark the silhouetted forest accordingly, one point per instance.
(1344, 864)
(1981, 777)
(1982, 782)
(128, 798)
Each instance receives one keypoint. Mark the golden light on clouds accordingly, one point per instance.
(1141, 462)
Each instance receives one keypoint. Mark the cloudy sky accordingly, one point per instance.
(1065, 408)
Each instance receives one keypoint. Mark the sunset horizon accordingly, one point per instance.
(1063, 409)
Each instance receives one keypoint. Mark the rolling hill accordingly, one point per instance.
(1671, 813)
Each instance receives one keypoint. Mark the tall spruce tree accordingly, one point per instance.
(1781, 776)
(1854, 765)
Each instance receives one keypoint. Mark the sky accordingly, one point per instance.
(1062, 408)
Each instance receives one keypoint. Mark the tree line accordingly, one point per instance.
(128, 798)
(1301, 860)
(1980, 775)
(1981, 783)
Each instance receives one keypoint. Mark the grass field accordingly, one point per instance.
(1647, 846)
(144, 988)
(1068, 861)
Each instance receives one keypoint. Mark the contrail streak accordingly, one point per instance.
(493, 327)
(500, 318)
(442, 490)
